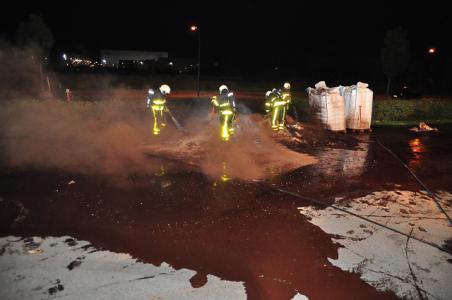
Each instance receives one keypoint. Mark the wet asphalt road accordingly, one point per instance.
(240, 231)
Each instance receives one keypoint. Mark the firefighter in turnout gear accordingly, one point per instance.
(268, 96)
(276, 105)
(286, 95)
(156, 100)
(224, 104)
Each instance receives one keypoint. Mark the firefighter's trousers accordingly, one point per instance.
(158, 118)
(278, 116)
(226, 123)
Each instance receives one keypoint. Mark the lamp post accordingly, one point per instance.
(432, 69)
(195, 28)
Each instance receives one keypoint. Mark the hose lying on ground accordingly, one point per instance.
(433, 196)
(318, 202)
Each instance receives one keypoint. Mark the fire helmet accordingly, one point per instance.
(223, 88)
(165, 89)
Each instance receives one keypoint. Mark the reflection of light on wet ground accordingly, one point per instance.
(160, 172)
(272, 173)
(417, 149)
(224, 177)
(344, 161)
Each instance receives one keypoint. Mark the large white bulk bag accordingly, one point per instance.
(328, 105)
(358, 106)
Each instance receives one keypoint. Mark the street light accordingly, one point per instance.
(195, 28)
(432, 51)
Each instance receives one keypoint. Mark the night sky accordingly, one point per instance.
(244, 34)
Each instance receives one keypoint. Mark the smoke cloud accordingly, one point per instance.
(114, 137)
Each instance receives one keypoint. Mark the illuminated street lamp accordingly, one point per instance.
(431, 51)
(194, 28)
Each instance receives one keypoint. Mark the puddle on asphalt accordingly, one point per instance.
(344, 162)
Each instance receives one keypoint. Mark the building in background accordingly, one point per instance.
(127, 61)
(75, 60)
(128, 58)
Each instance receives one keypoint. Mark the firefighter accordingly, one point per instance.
(156, 100)
(224, 104)
(268, 96)
(286, 95)
(277, 107)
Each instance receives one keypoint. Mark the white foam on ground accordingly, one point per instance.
(380, 255)
(299, 296)
(29, 270)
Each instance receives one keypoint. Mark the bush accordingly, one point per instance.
(396, 110)
(412, 110)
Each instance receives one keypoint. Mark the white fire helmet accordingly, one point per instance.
(222, 88)
(165, 89)
(268, 93)
(286, 85)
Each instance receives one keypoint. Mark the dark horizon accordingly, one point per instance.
(250, 38)
(308, 28)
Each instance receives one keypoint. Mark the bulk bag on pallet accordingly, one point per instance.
(358, 106)
(328, 105)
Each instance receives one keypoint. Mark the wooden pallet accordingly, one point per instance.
(340, 131)
(368, 130)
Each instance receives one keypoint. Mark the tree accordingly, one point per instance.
(395, 55)
(36, 34)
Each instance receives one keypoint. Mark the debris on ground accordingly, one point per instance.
(23, 212)
(35, 251)
(165, 184)
(423, 127)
